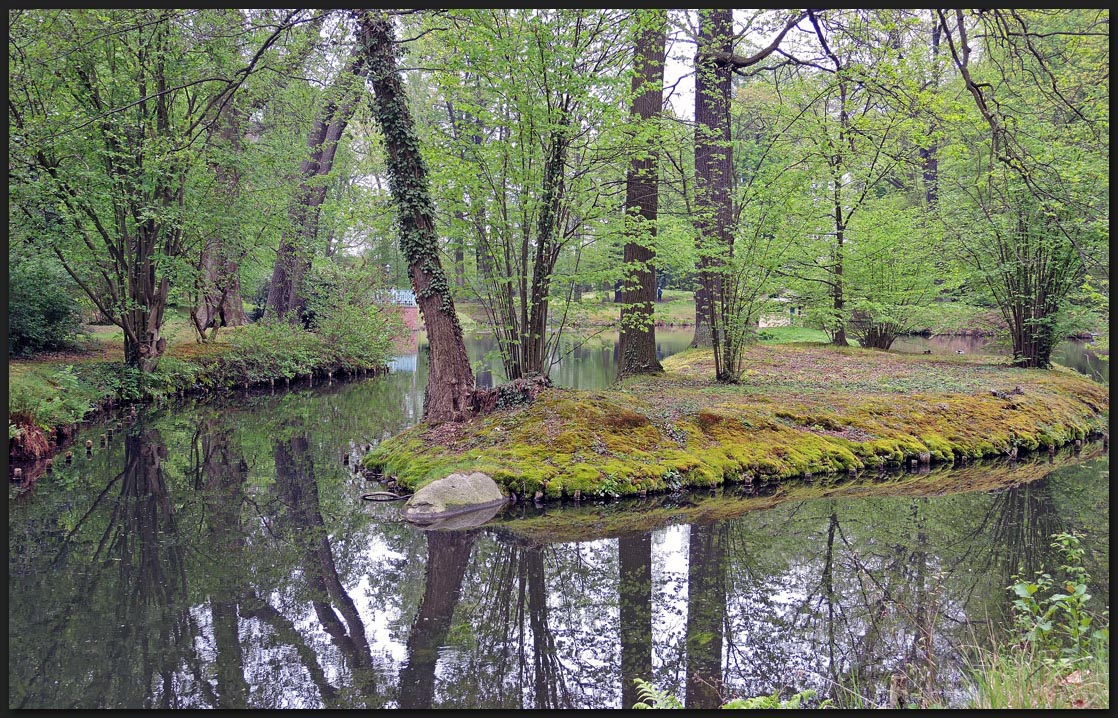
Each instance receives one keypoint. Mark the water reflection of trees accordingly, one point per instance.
(300, 522)
(876, 597)
(131, 573)
(239, 573)
(448, 556)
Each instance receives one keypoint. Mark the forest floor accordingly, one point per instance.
(800, 409)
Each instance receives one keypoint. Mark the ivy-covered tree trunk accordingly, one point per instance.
(286, 294)
(637, 343)
(533, 338)
(450, 378)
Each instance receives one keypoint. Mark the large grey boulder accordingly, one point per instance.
(455, 494)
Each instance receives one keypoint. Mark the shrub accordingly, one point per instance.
(1052, 614)
(42, 311)
(358, 337)
(270, 350)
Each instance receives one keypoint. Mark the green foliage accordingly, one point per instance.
(348, 338)
(774, 701)
(54, 399)
(358, 337)
(1052, 614)
(42, 311)
(270, 350)
(652, 697)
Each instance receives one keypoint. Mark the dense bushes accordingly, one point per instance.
(348, 339)
(348, 334)
(42, 312)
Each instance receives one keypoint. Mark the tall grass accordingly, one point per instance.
(1017, 677)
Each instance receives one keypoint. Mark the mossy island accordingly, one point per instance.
(800, 410)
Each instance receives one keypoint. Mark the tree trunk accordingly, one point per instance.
(141, 323)
(637, 340)
(534, 333)
(634, 599)
(713, 168)
(219, 281)
(929, 156)
(838, 297)
(706, 614)
(702, 315)
(286, 294)
(448, 557)
(450, 378)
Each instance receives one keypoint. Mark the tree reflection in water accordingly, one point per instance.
(448, 555)
(706, 614)
(301, 523)
(239, 569)
(634, 597)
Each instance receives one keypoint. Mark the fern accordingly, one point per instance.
(652, 697)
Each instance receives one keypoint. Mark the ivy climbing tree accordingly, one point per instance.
(450, 379)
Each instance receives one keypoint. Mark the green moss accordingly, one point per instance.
(626, 518)
(679, 429)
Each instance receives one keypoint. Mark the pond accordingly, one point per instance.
(218, 555)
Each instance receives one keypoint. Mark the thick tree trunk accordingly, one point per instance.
(706, 614)
(634, 588)
(219, 280)
(450, 379)
(221, 304)
(637, 340)
(713, 168)
(141, 323)
(286, 295)
(702, 315)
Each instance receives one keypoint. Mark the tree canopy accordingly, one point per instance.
(867, 164)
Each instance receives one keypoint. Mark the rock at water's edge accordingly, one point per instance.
(452, 495)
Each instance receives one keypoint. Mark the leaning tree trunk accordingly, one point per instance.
(286, 294)
(637, 344)
(450, 378)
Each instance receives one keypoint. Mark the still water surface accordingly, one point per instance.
(217, 555)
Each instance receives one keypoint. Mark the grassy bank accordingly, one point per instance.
(801, 409)
(49, 394)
